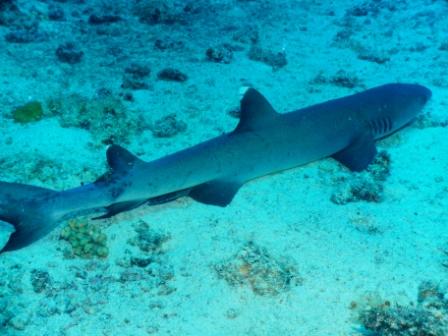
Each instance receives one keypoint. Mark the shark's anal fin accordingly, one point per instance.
(256, 111)
(217, 192)
(359, 154)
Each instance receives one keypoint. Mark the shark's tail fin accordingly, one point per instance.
(22, 206)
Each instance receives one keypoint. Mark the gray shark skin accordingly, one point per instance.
(211, 172)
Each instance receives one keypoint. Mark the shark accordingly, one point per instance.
(212, 172)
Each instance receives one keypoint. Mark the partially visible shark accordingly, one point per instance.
(211, 172)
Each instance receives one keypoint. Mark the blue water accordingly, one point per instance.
(315, 250)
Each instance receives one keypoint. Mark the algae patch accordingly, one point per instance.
(105, 117)
(30, 112)
(87, 240)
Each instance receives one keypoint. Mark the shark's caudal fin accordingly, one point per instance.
(21, 206)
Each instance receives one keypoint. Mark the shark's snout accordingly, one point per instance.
(416, 91)
(426, 94)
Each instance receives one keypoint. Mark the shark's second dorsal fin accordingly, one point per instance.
(255, 111)
(120, 159)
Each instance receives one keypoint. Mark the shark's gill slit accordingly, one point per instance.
(381, 128)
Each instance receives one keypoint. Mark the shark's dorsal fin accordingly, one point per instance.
(218, 192)
(120, 159)
(359, 154)
(255, 111)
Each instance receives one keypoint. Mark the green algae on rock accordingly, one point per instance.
(87, 240)
(29, 112)
(105, 117)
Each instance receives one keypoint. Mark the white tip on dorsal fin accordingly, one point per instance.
(256, 111)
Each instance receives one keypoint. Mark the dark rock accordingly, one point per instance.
(343, 79)
(247, 35)
(27, 34)
(365, 186)
(168, 44)
(379, 58)
(170, 74)
(444, 46)
(138, 70)
(130, 82)
(276, 60)
(220, 54)
(69, 53)
(148, 240)
(97, 19)
(157, 12)
(428, 317)
(168, 126)
(140, 262)
(9, 12)
(56, 13)
(379, 169)
(40, 280)
(360, 188)
(253, 266)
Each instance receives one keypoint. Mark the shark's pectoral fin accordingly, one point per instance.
(359, 154)
(217, 192)
(256, 111)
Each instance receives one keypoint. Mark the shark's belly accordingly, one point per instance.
(284, 153)
(233, 157)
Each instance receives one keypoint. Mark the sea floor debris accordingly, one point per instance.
(253, 266)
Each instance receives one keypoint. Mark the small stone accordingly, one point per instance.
(276, 60)
(18, 322)
(138, 70)
(170, 74)
(40, 280)
(220, 54)
(69, 53)
(168, 126)
(98, 19)
(56, 13)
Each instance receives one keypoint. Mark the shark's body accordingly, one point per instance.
(211, 172)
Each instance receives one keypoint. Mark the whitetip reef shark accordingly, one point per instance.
(264, 142)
